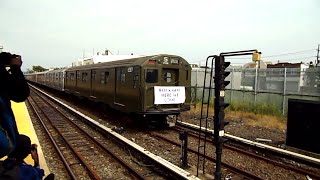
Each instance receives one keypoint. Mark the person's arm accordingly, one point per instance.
(18, 88)
(34, 155)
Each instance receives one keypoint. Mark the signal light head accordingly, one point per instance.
(226, 83)
(226, 64)
(226, 73)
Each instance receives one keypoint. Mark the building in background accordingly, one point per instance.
(107, 56)
(288, 77)
(254, 75)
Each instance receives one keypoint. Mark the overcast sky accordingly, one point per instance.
(55, 33)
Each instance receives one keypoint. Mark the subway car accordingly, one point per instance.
(151, 86)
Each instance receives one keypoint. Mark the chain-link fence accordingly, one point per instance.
(270, 87)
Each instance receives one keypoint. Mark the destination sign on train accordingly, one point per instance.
(169, 94)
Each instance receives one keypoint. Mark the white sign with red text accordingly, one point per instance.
(169, 94)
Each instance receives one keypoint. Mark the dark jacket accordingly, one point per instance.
(13, 87)
(13, 84)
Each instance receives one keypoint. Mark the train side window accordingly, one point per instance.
(167, 77)
(106, 75)
(187, 74)
(72, 76)
(93, 75)
(135, 80)
(118, 74)
(84, 76)
(123, 77)
(102, 78)
(151, 76)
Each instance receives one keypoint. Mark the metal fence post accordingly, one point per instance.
(231, 88)
(284, 91)
(196, 89)
(255, 84)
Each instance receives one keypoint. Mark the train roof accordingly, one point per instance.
(102, 58)
(57, 70)
(126, 62)
(42, 72)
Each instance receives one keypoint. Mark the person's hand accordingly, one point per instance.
(16, 61)
(34, 154)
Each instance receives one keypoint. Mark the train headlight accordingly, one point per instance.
(152, 62)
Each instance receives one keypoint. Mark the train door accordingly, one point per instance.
(64, 79)
(136, 93)
(117, 90)
(76, 86)
(92, 83)
(151, 79)
(169, 77)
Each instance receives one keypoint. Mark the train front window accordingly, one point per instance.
(151, 76)
(167, 77)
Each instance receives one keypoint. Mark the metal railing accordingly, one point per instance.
(264, 86)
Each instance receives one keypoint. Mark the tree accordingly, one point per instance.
(29, 71)
(313, 79)
(38, 68)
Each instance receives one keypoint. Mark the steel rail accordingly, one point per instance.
(228, 166)
(175, 170)
(285, 166)
(103, 147)
(92, 172)
(260, 145)
(69, 170)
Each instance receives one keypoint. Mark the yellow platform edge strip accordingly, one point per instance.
(25, 127)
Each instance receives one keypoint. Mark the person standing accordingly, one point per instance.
(13, 87)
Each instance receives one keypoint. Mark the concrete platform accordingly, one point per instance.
(25, 127)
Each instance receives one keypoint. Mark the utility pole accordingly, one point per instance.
(1, 47)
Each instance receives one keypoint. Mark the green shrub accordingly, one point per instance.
(246, 106)
(258, 108)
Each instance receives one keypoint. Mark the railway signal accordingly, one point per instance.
(219, 106)
(220, 85)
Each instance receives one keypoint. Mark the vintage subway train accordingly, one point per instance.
(152, 86)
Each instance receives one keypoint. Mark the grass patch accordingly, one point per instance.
(261, 115)
(251, 119)
(258, 108)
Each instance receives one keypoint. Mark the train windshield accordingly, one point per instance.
(151, 75)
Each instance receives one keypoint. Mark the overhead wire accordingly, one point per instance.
(278, 56)
(285, 54)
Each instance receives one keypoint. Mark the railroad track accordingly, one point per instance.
(243, 172)
(245, 149)
(239, 172)
(78, 149)
(66, 133)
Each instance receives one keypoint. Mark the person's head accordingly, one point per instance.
(8, 59)
(23, 148)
